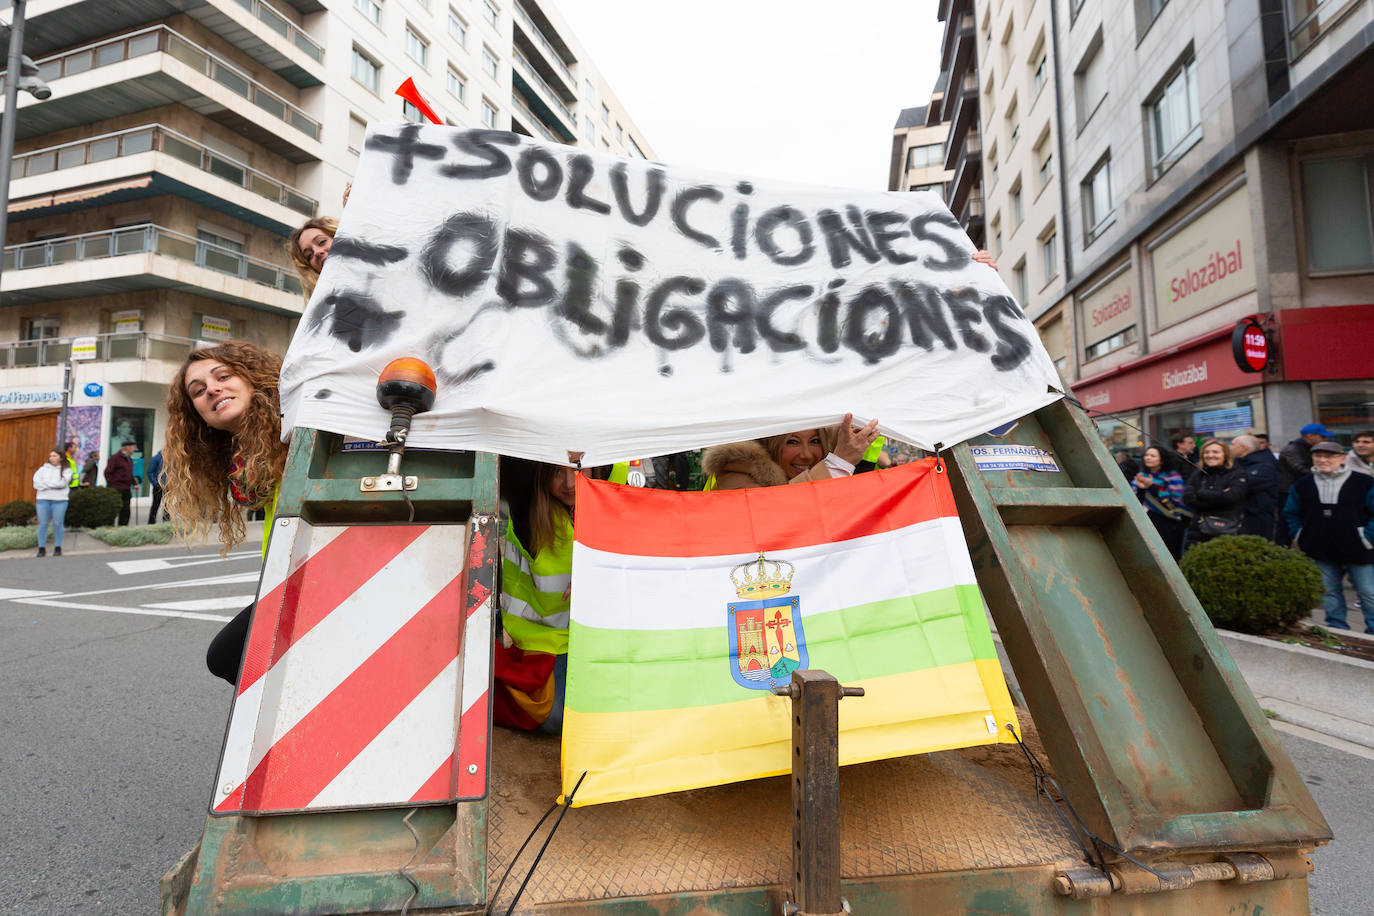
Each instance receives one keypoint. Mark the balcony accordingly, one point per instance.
(545, 102)
(958, 49)
(961, 110)
(57, 351)
(141, 257)
(536, 40)
(971, 217)
(531, 119)
(968, 170)
(104, 170)
(262, 31)
(157, 66)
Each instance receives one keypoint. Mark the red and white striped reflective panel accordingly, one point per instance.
(365, 678)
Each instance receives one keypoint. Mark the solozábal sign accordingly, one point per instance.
(576, 301)
(1207, 261)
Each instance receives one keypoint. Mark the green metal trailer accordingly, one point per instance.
(1165, 788)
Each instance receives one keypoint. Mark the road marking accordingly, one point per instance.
(137, 611)
(157, 564)
(1331, 741)
(204, 604)
(10, 594)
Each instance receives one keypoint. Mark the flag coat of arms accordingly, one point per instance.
(688, 608)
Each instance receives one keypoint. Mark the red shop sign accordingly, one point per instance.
(1198, 367)
(1250, 346)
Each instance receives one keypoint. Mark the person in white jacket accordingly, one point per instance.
(53, 482)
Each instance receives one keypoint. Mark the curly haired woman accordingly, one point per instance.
(309, 246)
(225, 454)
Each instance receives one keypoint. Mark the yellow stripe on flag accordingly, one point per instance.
(632, 754)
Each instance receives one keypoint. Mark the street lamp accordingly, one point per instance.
(28, 80)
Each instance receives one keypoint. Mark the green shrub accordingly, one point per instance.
(1248, 584)
(92, 507)
(18, 512)
(134, 536)
(18, 538)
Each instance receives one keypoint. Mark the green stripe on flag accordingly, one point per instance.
(624, 670)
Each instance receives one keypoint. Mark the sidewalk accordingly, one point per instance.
(79, 543)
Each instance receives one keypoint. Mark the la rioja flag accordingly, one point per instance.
(687, 608)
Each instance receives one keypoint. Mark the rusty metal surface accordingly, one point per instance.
(955, 810)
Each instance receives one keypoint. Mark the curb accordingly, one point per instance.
(1318, 690)
(79, 543)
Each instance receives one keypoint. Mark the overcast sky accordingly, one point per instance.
(804, 90)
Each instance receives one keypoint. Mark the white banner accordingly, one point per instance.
(577, 301)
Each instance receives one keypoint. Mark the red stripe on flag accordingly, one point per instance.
(472, 748)
(317, 748)
(638, 521)
(439, 786)
(338, 570)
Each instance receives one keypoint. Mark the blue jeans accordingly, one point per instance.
(56, 511)
(1333, 602)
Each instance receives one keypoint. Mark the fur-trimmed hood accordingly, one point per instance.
(739, 465)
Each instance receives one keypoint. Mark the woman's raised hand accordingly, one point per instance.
(855, 440)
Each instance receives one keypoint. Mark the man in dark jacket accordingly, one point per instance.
(1295, 461)
(119, 475)
(1331, 515)
(155, 475)
(1261, 485)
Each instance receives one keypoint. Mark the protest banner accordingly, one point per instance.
(577, 301)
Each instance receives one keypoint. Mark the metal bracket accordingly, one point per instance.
(816, 792)
(387, 482)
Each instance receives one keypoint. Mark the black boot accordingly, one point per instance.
(42, 551)
(57, 551)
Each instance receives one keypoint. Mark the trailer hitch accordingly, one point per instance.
(816, 793)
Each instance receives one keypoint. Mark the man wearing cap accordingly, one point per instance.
(1295, 461)
(119, 475)
(1331, 515)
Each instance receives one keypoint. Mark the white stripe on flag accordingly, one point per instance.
(396, 763)
(323, 658)
(691, 592)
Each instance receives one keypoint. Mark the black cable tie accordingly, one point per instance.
(491, 903)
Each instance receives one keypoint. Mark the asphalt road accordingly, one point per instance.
(112, 728)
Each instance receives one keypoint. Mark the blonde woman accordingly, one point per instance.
(1216, 494)
(309, 246)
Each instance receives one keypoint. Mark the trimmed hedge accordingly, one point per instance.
(93, 507)
(18, 538)
(1250, 585)
(18, 512)
(134, 535)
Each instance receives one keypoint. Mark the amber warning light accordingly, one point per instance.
(405, 387)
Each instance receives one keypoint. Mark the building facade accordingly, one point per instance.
(153, 193)
(918, 153)
(1198, 165)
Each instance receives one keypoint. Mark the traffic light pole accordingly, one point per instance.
(11, 117)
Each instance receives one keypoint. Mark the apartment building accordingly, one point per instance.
(918, 153)
(954, 104)
(153, 193)
(1219, 157)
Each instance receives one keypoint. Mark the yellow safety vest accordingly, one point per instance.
(873, 451)
(620, 472)
(534, 610)
(76, 474)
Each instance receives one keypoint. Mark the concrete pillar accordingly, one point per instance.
(1287, 408)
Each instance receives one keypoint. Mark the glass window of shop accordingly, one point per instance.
(1121, 434)
(1345, 408)
(134, 423)
(1222, 416)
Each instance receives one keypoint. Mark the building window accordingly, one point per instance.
(1018, 282)
(1337, 204)
(924, 157)
(372, 9)
(589, 130)
(605, 115)
(619, 133)
(367, 71)
(1014, 202)
(357, 130)
(491, 12)
(1097, 198)
(997, 234)
(1049, 253)
(489, 62)
(938, 188)
(1172, 113)
(1146, 12)
(1013, 125)
(635, 151)
(457, 85)
(488, 113)
(457, 28)
(588, 91)
(1311, 18)
(1039, 72)
(1122, 338)
(411, 113)
(1090, 79)
(1044, 154)
(417, 49)
(41, 328)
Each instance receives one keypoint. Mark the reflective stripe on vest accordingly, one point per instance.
(533, 610)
